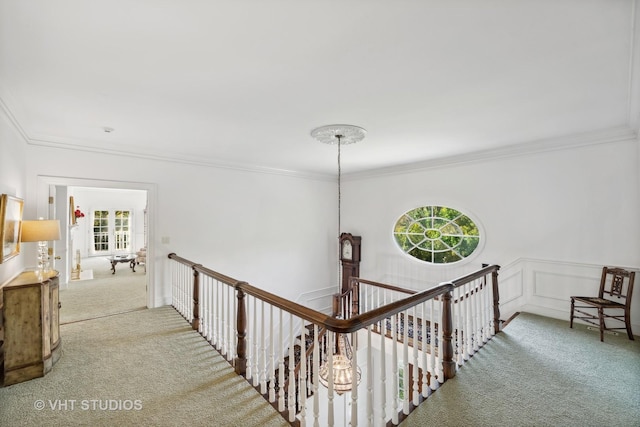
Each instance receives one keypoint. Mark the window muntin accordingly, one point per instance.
(112, 231)
(100, 231)
(436, 234)
(122, 232)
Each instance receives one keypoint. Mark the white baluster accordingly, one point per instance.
(212, 309)
(406, 380)
(492, 328)
(272, 359)
(439, 368)
(200, 305)
(370, 376)
(263, 352)
(185, 294)
(181, 290)
(216, 314)
(394, 366)
(468, 350)
(249, 349)
(316, 375)
(458, 325)
(383, 372)
(256, 342)
(178, 285)
(223, 349)
(354, 379)
(416, 366)
(206, 285)
(476, 326)
(302, 378)
(292, 379)
(233, 324)
(203, 305)
(330, 347)
(281, 364)
(483, 311)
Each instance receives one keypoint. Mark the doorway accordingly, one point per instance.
(108, 227)
(139, 235)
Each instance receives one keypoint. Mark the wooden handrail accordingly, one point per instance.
(353, 320)
(354, 323)
(218, 276)
(181, 260)
(333, 324)
(384, 285)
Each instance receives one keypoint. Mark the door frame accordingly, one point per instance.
(42, 209)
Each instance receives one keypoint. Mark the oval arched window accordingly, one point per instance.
(436, 234)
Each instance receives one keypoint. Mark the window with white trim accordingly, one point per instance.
(436, 234)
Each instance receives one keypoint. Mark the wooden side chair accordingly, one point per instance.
(613, 301)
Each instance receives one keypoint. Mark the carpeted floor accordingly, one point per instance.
(539, 372)
(105, 294)
(144, 368)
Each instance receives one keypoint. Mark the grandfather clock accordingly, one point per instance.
(349, 258)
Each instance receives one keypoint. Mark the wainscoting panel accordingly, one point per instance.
(511, 288)
(550, 284)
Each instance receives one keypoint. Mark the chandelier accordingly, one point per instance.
(342, 367)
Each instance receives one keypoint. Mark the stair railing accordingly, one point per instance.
(265, 336)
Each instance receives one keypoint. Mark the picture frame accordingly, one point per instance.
(72, 212)
(10, 226)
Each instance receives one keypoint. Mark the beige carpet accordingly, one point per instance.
(105, 294)
(143, 368)
(539, 372)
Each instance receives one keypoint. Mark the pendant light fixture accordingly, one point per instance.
(341, 367)
(339, 135)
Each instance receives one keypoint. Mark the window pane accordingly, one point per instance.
(436, 234)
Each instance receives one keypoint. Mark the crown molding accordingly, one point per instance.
(12, 119)
(175, 158)
(604, 136)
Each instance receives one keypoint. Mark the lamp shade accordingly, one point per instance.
(40, 230)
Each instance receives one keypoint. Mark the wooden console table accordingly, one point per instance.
(29, 327)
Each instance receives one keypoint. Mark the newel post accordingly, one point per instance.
(448, 365)
(336, 300)
(195, 324)
(355, 294)
(496, 302)
(241, 326)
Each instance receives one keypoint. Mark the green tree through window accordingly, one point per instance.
(436, 234)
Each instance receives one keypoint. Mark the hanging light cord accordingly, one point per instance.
(339, 187)
(339, 214)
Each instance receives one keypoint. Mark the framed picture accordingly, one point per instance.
(10, 226)
(72, 212)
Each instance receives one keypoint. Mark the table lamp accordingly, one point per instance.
(41, 231)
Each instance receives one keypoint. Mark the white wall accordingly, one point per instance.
(273, 231)
(551, 219)
(12, 182)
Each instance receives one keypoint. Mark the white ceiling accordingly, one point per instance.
(242, 83)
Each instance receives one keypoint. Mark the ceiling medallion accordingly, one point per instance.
(344, 134)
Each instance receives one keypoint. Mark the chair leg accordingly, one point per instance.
(601, 316)
(627, 323)
(571, 315)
